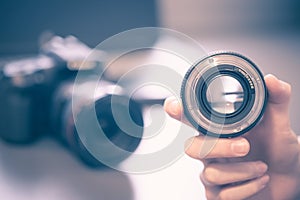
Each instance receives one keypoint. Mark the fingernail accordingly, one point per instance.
(240, 148)
(175, 107)
(272, 75)
(275, 78)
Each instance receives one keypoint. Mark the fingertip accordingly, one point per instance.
(188, 143)
(200, 147)
(264, 180)
(279, 91)
(287, 87)
(277, 83)
(240, 146)
(173, 107)
(272, 82)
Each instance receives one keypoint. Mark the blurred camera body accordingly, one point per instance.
(26, 91)
(36, 99)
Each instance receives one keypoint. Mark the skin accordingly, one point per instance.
(261, 164)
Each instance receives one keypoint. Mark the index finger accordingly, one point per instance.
(173, 107)
(202, 147)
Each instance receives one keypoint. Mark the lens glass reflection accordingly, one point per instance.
(225, 94)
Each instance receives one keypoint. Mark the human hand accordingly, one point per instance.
(262, 164)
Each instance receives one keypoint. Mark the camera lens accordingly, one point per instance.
(224, 95)
(119, 134)
(122, 129)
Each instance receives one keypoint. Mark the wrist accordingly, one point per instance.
(288, 184)
(295, 193)
(296, 177)
(297, 190)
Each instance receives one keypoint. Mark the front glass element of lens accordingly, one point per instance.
(225, 94)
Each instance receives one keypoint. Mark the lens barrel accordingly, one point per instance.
(112, 129)
(224, 95)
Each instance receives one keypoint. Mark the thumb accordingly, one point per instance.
(277, 111)
(279, 91)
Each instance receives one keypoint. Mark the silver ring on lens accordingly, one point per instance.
(224, 95)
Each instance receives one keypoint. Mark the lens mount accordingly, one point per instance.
(224, 95)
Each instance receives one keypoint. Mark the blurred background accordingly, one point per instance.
(268, 32)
